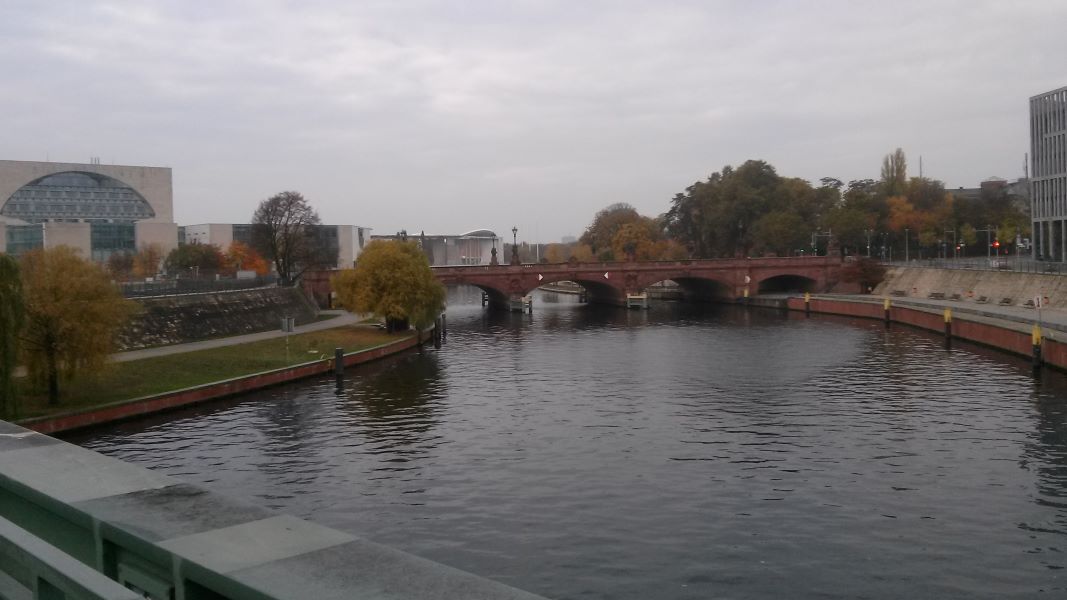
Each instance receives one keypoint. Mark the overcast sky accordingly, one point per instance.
(452, 116)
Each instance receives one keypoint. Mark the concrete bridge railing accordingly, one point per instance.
(70, 517)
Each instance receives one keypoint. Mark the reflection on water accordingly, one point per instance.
(682, 452)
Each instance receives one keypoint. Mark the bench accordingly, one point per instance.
(936, 296)
(954, 297)
(898, 293)
(982, 300)
(1006, 302)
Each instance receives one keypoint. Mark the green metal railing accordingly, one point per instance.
(36, 569)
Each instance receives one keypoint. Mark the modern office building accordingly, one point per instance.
(343, 241)
(1048, 176)
(95, 208)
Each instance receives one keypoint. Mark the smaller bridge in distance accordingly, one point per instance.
(723, 280)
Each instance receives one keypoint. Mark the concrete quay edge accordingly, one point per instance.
(137, 407)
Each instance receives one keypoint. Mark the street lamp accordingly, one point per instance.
(515, 245)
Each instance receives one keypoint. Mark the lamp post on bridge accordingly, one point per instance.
(515, 246)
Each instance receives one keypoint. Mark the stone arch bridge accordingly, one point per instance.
(610, 282)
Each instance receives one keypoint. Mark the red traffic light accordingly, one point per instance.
(996, 243)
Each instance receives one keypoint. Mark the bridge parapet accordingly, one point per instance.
(170, 540)
(727, 278)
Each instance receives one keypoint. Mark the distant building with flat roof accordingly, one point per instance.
(345, 242)
(1048, 174)
(471, 248)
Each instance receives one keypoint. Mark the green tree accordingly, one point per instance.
(11, 318)
(284, 231)
(73, 314)
(894, 173)
(392, 280)
(780, 233)
(600, 235)
(198, 260)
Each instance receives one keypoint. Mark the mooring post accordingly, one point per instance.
(948, 326)
(339, 361)
(1035, 338)
(886, 305)
(437, 333)
(444, 327)
(807, 304)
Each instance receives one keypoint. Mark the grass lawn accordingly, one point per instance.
(126, 380)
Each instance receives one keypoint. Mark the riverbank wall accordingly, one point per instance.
(165, 320)
(1013, 337)
(138, 407)
(968, 285)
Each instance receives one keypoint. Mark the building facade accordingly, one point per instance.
(96, 209)
(1048, 178)
(344, 242)
(471, 248)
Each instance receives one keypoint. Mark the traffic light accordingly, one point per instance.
(996, 243)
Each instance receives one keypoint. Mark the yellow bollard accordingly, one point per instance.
(885, 306)
(1035, 338)
(948, 325)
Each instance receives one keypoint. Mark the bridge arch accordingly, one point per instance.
(599, 291)
(698, 289)
(496, 296)
(786, 283)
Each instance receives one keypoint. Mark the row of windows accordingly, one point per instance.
(104, 238)
(1050, 197)
(1048, 115)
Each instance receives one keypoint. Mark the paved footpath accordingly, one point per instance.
(1014, 317)
(345, 318)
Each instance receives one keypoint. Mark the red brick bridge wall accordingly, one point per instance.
(611, 281)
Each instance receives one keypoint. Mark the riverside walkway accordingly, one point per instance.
(343, 318)
(1015, 317)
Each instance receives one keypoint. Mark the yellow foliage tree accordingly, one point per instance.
(633, 241)
(582, 253)
(392, 280)
(147, 260)
(556, 253)
(72, 316)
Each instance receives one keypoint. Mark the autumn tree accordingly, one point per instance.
(198, 260)
(120, 265)
(392, 280)
(73, 314)
(11, 317)
(556, 253)
(147, 261)
(582, 253)
(600, 234)
(242, 257)
(283, 231)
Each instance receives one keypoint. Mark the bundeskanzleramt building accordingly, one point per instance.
(1048, 181)
(94, 208)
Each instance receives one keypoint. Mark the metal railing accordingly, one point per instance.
(41, 571)
(176, 287)
(1018, 264)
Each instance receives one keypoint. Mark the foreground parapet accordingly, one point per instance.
(167, 539)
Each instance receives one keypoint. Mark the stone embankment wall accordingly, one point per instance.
(972, 285)
(191, 317)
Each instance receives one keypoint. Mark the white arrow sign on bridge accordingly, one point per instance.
(605, 276)
(540, 277)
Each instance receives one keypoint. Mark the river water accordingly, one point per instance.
(682, 452)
